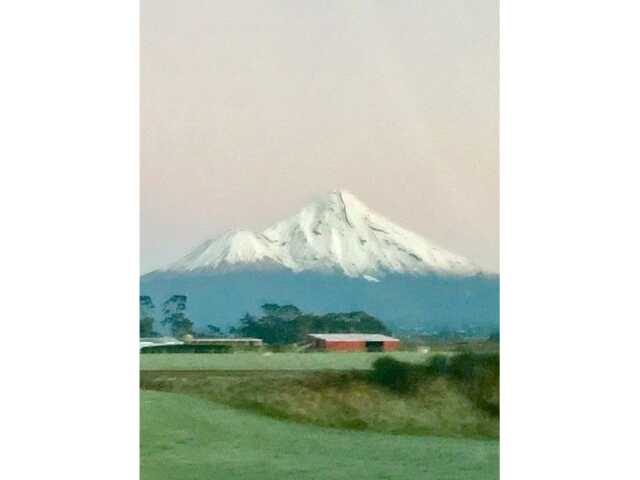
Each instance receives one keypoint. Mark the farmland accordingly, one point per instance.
(188, 438)
(286, 415)
(268, 361)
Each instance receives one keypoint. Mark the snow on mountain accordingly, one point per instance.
(335, 233)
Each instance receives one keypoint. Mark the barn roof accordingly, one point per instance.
(353, 337)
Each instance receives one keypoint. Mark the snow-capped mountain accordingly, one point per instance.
(337, 233)
(335, 255)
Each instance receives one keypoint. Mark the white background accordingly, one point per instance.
(69, 246)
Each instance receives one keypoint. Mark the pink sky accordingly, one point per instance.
(250, 109)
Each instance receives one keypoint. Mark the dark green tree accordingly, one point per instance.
(286, 324)
(175, 317)
(147, 317)
(213, 330)
(285, 312)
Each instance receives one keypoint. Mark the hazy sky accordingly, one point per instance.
(252, 108)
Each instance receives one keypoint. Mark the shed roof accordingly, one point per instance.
(353, 337)
(157, 341)
(160, 340)
(226, 340)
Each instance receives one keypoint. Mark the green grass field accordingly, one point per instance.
(186, 438)
(273, 361)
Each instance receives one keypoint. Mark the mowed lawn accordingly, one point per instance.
(185, 438)
(268, 361)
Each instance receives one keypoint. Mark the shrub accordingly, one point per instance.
(479, 375)
(393, 374)
(468, 366)
(437, 366)
(476, 375)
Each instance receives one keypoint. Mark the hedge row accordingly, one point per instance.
(186, 348)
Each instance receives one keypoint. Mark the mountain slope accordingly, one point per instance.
(336, 233)
(403, 302)
(335, 255)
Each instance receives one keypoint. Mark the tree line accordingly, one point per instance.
(286, 324)
(276, 325)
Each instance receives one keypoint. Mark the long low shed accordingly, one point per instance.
(232, 342)
(354, 342)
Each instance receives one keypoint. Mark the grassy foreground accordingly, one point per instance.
(269, 361)
(186, 438)
(335, 399)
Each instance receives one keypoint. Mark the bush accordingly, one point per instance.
(477, 375)
(393, 374)
(437, 366)
(469, 366)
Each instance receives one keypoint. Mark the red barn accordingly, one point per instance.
(354, 342)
